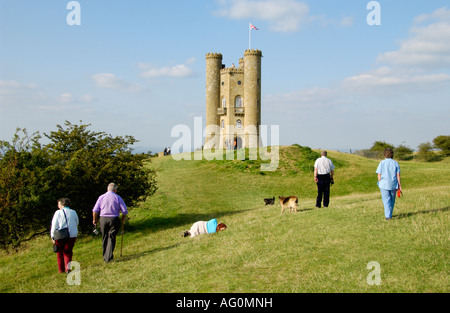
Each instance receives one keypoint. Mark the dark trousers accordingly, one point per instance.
(64, 254)
(323, 190)
(109, 227)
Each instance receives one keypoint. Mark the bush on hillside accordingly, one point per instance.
(403, 153)
(76, 163)
(427, 154)
(379, 147)
(25, 190)
(442, 143)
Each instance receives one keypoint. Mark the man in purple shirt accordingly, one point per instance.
(109, 206)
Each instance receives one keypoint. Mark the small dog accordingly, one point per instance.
(290, 202)
(268, 201)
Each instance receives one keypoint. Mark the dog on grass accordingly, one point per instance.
(291, 202)
(268, 201)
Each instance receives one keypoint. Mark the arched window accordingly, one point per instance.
(224, 103)
(238, 124)
(222, 124)
(238, 102)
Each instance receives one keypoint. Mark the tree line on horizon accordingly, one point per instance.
(427, 151)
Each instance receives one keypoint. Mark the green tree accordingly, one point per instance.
(76, 163)
(442, 143)
(25, 191)
(426, 153)
(403, 153)
(89, 160)
(379, 147)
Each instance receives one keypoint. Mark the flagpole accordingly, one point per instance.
(249, 36)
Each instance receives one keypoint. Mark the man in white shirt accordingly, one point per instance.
(323, 176)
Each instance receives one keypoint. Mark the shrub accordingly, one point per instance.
(403, 153)
(25, 205)
(426, 153)
(379, 147)
(443, 143)
(76, 163)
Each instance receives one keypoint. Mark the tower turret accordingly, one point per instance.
(252, 94)
(213, 67)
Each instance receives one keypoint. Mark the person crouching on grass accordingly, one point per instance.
(201, 227)
(388, 181)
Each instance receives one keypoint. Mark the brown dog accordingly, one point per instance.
(290, 202)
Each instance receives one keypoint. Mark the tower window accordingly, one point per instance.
(238, 102)
(224, 103)
(238, 124)
(222, 124)
(239, 82)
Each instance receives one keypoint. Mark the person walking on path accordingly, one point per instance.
(64, 217)
(108, 207)
(323, 176)
(388, 181)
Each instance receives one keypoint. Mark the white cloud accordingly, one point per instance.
(282, 15)
(385, 80)
(18, 94)
(12, 87)
(428, 46)
(303, 99)
(111, 81)
(177, 71)
(17, 97)
(347, 21)
(420, 65)
(67, 98)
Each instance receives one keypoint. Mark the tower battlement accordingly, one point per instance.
(253, 52)
(232, 69)
(213, 56)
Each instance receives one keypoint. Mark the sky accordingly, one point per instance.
(336, 74)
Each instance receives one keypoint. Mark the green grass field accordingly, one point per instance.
(314, 250)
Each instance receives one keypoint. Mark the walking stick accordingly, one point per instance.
(121, 240)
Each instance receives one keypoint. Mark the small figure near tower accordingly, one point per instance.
(233, 102)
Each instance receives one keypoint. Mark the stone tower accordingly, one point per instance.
(233, 101)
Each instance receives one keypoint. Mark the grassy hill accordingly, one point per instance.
(314, 250)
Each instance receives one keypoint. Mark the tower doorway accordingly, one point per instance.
(237, 142)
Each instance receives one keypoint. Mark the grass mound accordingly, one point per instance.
(314, 250)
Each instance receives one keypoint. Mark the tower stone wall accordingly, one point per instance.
(252, 93)
(213, 67)
(233, 101)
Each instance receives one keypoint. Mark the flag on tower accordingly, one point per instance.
(253, 27)
(250, 34)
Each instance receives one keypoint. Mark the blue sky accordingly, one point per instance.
(329, 80)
